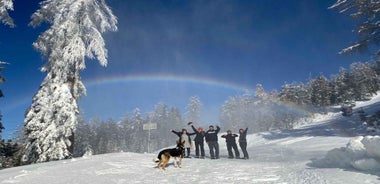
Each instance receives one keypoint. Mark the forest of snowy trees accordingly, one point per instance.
(105, 136)
(259, 110)
(280, 110)
(54, 128)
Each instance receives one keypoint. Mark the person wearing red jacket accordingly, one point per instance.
(199, 141)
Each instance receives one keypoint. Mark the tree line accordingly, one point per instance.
(128, 135)
(259, 110)
(280, 110)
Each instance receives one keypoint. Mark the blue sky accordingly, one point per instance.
(166, 51)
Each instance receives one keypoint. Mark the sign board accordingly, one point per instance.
(150, 126)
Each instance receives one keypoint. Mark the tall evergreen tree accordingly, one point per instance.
(367, 12)
(125, 125)
(75, 33)
(320, 91)
(160, 116)
(82, 141)
(138, 138)
(297, 93)
(238, 111)
(227, 112)
(342, 88)
(364, 80)
(193, 113)
(6, 5)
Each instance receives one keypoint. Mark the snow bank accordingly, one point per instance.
(374, 99)
(361, 153)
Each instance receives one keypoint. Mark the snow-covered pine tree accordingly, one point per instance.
(364, 80)
(82, 138)
(193, 113)
(174, 121)
(124, 126)
(93, 134)
(366, 11)
(160, 116)
(227, 112)
(296, 93)
(137, 139)
(260, 94)
(320, 91)
(113, 143)
(6, 5)
(238, 111)
(75, 33)
(342, 88)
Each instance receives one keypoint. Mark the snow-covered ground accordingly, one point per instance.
(328, 150)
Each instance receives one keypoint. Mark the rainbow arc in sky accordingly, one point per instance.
(166, 78)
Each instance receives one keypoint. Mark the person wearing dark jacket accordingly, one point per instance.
(199, 141)
(184, 136)
(231, 143)
(243, 142)
(212, 141)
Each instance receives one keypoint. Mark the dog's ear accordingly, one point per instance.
(183, 142)
(177, 141)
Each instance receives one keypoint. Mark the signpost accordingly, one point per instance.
(149, 126)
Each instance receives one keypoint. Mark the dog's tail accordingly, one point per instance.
(156, 160)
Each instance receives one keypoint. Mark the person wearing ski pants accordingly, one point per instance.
(243, 142)
(231, 144)
(212, 141)
(199, 141)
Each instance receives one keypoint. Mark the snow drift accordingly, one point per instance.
(362, 153)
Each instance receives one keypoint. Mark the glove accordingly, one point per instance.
(190, 123)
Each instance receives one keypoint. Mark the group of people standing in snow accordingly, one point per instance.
(211, 137)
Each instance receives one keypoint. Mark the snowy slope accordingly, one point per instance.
(275, 157)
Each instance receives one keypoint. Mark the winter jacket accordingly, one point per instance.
(243, 136)
(180, 133)
(187, 144)
(230, 138)
(199, 136)
(211, 135)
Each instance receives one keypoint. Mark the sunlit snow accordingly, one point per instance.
(328, 150)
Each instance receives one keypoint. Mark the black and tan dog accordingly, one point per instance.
(164, 155)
